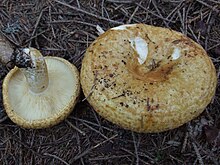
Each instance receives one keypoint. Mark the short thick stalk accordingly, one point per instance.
(35, 71)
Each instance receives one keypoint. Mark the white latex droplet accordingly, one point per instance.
(176, 53)
(123, 27)
(141, 47)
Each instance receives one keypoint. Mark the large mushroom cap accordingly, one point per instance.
(41, 110)
(146, 78)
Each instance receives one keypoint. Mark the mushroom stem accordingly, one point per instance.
(32, 64)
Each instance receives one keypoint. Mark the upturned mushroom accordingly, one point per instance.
(146, 78)
(40, 91)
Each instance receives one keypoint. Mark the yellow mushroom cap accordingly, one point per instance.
(147, 79)
(45, 109)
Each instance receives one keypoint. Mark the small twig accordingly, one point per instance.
(214, 46)
(172, 157)
(132, 15)
(218, 74)
(74, 127)
(78, 4)
(50, 18)
(151, 12)
(9, 39)
(3, 119)
(124, 12)
(72, 21)
(121, 1)
(78, 58)
(193, 34)
(89, 122)
(92, 148)
(147, 156)
(209, 6)
(56, 157)
(193, 141)
(131, 153)
(185, 142)
(211, 20)
(135, 148)
(93, 129)
(80, 41)
(79, 145)
(33, 138)
(108, 157)
(96, 118)
(182, 21)
(214, 1)
(38, 34)
(20, 147)
(54, 49)
(36, 24)
(87, 13)
(158, 11)
(175, 9)
(102, 9)
(198, 154)
(204, 13)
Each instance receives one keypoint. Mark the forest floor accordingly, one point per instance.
(66, 29)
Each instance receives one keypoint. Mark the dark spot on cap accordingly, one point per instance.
(123, 62)
(111, 75)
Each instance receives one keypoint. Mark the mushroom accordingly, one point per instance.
(40, 91)
(146, 78)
